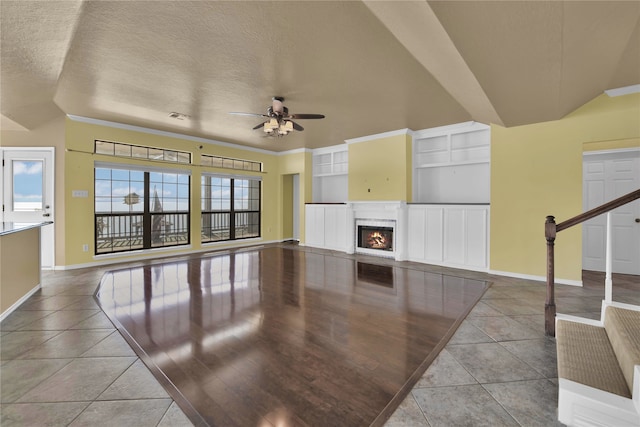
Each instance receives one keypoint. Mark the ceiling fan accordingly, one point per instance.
(279, 122)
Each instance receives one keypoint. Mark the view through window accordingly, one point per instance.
(230, 208)
(140, 209)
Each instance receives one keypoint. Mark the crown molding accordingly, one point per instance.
(141, 129)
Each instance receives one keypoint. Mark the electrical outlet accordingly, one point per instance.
(85, 248)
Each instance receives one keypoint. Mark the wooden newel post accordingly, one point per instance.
(550, 304)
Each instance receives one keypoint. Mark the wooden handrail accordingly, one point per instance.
(599, 210)
(550, 231)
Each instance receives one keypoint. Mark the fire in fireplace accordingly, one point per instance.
(380, 238)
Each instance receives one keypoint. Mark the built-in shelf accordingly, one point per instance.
(331, 163)
(330, 174)
(452, 163)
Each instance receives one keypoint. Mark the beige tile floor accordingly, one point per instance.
(62, 362)
(499, 369)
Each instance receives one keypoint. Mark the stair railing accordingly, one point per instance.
(550, 231)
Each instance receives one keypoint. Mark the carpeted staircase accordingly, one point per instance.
(599, 368)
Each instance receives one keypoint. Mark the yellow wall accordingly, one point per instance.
(79, 176)
(536, 170)
(380, 169)
(50, 134)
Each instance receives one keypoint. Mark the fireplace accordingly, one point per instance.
(375, 237)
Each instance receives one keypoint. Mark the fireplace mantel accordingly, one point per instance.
(384, 213)
(449, 235)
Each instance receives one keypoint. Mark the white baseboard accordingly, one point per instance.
(535, 278)
(17, 304)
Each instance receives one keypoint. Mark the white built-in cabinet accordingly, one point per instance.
(451, 235)
(451, 164)
(447, 222)
(330, 174)
(327, 226)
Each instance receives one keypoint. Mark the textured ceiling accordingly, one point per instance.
(369, 67)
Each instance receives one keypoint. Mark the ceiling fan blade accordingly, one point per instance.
(248, 114)
(306, 116)
(297, 126)
(260, 125)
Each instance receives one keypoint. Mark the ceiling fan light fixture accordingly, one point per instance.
(278, 120)
(288, 125)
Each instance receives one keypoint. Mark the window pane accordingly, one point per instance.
(155, 154)
(183, 191)
(103, 173)
(183, 205)
(184, 158)
(119, 175)
(137, 176)
(27, 185)
(103, 147)
(155, 177)
(169, 177)
(139, 152)
(123, 150)
(170, 156)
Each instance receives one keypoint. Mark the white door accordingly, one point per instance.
(27, 192)
(607, 177)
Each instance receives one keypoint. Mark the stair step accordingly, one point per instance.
(586, 356)
(623, 329)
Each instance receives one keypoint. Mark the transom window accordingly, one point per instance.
(120, 149)
(230, 208)
(140, 209)
(228, 163)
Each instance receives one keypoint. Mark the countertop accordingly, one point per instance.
(14, 227)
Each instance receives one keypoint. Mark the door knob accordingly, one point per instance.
(637, 219)
(46, 214)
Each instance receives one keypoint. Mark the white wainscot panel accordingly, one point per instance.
(335, 227)
(314, 225)
(449, 235)
(326, 226)
(454, 236)
(417, 223)
(476, 239)
(435, 235)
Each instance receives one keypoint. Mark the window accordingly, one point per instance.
(140, 209)
(227, 163)
(230, 208)
(28, 186)
(141, 152)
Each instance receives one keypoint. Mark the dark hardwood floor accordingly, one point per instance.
(281, 336)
